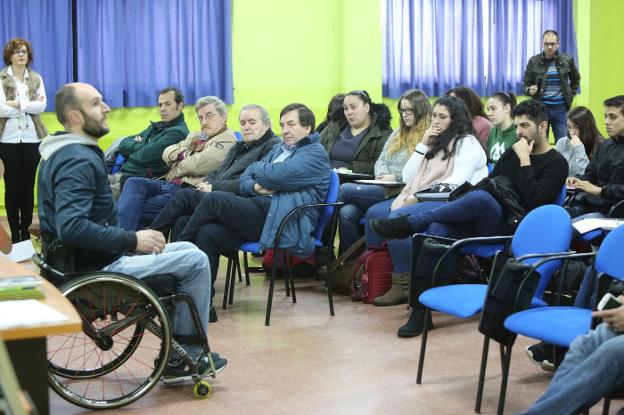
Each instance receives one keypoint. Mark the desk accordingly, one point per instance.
(27, 345)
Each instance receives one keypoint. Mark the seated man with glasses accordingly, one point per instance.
(143, 152)
(190, 160)
(552, 78)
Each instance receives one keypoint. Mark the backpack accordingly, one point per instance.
(300, 267)
(373, 277)
(342, 270)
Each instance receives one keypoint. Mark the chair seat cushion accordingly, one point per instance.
(252, 247)
(557, 325)
(460, 300)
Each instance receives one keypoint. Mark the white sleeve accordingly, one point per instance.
(7, 111)
(413, 164)
(469, 160)
(36, 106)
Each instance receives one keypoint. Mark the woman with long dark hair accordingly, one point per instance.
(480, 123)
(582, 140)
(448, 154)
(22, 99)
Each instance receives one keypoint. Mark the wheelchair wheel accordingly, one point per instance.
(123, 347)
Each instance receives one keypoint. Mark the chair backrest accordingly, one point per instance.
(546, 229)
(327, 212)
(490, 167)
(238, 135)
(608, 257)
(561, 197)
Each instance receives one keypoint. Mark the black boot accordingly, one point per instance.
(393, 228)
(415, 324)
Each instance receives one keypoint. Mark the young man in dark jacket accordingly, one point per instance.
(602, 184)
(76, 207)
(258, 140)
(144, 151)
(552, 78)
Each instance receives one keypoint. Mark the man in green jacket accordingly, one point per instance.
(143, 152)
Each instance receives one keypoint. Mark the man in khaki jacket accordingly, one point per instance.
(190, 160)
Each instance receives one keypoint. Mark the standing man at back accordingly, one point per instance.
(552, 78)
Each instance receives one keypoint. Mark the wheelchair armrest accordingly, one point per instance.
(58, 276)
(617, 210)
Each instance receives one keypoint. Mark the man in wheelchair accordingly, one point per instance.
(77, 212)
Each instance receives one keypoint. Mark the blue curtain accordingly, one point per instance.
(47, 25)
(130, 49)
(483, 44)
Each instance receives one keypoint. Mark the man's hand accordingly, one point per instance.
(13, 103)
(138, 138)
(533, 90)
(204, 187)
(150, 241)
(523, 150)
(614, 317)
(587, 187)
(261, 190)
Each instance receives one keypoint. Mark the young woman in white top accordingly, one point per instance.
(22, 99)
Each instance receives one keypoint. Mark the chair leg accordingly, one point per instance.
(227, 282)
(288, 270)
(232, 279)
(246, 266)
(606, 405)
(238, 269)
(284, 273)
(330, 295)
(506, 352)
(423, 346)
(484, 356)
(270, 297)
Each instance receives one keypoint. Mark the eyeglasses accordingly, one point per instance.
(406, 111)
(550, 44)
(206, 117)
(21, 52)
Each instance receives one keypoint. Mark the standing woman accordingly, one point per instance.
(503, 135)
(22, 99)
(582, 140)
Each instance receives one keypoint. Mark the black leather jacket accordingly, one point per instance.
(570, 77)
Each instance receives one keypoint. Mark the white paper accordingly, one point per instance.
(381, 182)
(26, 313)
(586, 225)
(21, 251)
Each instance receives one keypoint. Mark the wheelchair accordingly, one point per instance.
(126, 338)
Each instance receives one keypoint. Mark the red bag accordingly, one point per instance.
(301, 267)
(373, 277)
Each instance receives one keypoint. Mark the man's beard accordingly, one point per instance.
(92, 127)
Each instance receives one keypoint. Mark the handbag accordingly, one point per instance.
(342, 270)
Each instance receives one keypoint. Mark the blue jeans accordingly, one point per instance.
(191, 268)
(141, 200)
(557, 118)
(475, 214)
(357, 198)
(377, 211)
(593, 367)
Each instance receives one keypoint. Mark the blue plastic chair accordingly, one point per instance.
(560, 325)
(238, 135)
(119, 161)
(546, 229)
(327, 217)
